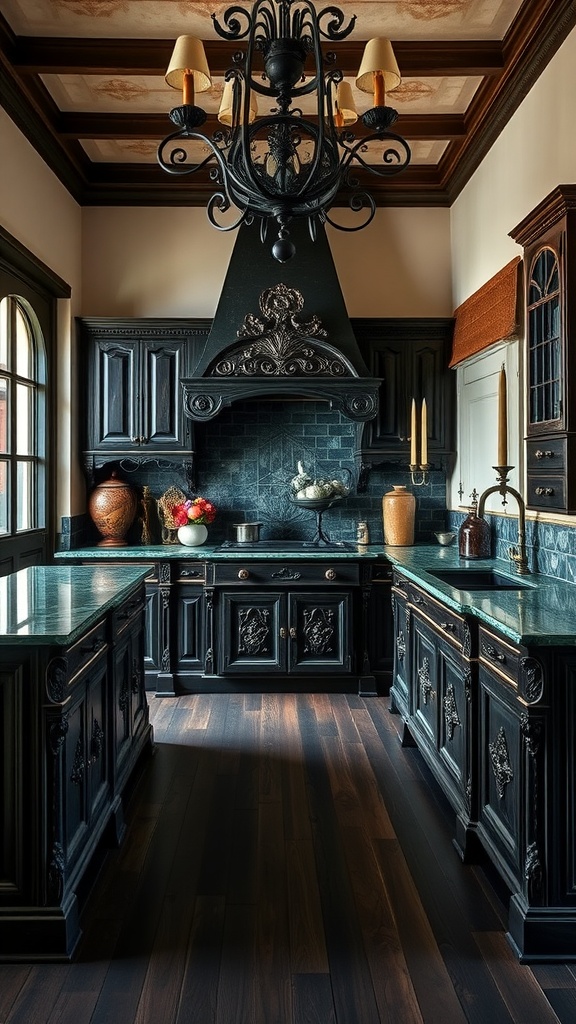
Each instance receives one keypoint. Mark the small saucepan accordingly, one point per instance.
(247, 533)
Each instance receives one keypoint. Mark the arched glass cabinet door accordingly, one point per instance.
(544, 342)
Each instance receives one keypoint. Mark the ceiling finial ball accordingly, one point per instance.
(283, 250)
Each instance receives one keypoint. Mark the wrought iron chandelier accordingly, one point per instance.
(284, 165)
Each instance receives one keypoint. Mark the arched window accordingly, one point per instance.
(23, 426)
(544, 342)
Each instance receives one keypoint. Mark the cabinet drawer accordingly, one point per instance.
(546, 491)
(286, 573)
(500, 655)
(86, 650)
(546, 456)
(447, 623)
(192, 572)
(122, 618)
(382, 574)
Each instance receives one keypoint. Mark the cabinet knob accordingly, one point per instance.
(243, 574)
(330, 574)
(539, 454)
(545, 491)
(293, 632)
(283, 633)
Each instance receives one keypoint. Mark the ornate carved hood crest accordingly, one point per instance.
(282, 352)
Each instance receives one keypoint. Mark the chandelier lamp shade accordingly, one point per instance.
(270, 161)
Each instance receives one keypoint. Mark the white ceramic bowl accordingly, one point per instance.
(446, 537)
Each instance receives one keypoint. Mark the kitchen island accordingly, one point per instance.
(74, 723)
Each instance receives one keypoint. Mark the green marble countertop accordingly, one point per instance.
(214, 553)
(543, 612)
(52, 604)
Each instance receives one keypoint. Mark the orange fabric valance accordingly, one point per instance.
(491, 314)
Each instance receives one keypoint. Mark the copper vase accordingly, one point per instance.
(398, 515)
(112, 507)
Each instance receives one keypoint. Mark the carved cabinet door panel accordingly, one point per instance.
(252, 631)
(454, 699)
(425, 697)
(500, 776)
(319, 626)
(400, 690)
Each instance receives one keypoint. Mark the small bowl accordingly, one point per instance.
(445, 537)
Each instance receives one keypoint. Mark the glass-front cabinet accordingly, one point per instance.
(548, 235)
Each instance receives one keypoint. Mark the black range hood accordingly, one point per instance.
(281, 332)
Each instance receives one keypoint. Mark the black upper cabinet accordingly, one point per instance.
(132, 369)
(548, 235)
(411, 356)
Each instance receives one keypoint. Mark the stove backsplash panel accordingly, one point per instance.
(245, 460)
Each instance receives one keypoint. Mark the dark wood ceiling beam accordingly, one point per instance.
(157, 126)
(47, 55)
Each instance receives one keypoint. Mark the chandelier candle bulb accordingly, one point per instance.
(502, 420)
(424, 452)
(413, 435)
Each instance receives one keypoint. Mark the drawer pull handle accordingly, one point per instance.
(539, 454)
(492, 653)
(92, 648)
(330, 574)
(448, 626)
(417, 599)
(243, 574)
(545, 491)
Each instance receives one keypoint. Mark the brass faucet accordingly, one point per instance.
(517, 554)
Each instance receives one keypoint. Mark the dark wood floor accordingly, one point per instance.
(287, 861)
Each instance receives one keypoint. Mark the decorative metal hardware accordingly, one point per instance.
(531, 730)
(493, 653)
(283, 632)
(400, 646)
(449, 627)
(426, 691)
(539, 454)
(78, 764)
(451, 719)
(123, 698)
(318, 630)
(468, 686)
(545, 492)
(253, 631)
(533, 677)
(243, 574)
(500, 759)
(330, 574)
(193, 574)
(57, 732)
(286, 574)
(466, 640)
(293, 633)
(56, 677)
(418, 600)
(97, 741)
(136, 676)
(56, 870)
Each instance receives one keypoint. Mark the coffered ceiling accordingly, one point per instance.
(83, 80)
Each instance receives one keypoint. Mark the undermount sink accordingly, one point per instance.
(477, 579)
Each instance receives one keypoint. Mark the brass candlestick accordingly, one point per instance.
(416, 469)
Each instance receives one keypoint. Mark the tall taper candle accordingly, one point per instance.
(424, 452)
(413, 435)
(502, 420)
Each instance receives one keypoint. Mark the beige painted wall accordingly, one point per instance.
(535, 152)
(37, 209)
(171, 262)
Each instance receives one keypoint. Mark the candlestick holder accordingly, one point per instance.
(416, 469)
(517, 554)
